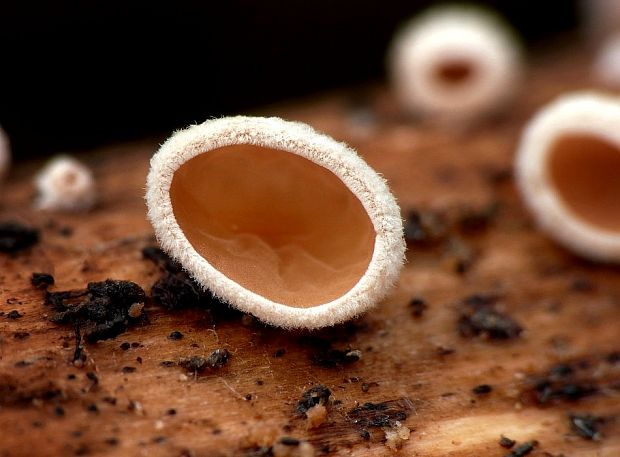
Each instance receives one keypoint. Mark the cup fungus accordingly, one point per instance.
(276, 219)
(65, 184)
(455, 64)
(568, 170)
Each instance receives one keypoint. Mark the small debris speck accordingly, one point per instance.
(482, 389)
(506, 442)
(15, 237)
(14, 314)
(42, 280)
(523, 449)
(586, 426)
(176, 335)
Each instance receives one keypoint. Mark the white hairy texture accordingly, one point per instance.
(580, 113)
(65, 184)
(455, 34)
(295, 138)
(607, 63)
(5, 154)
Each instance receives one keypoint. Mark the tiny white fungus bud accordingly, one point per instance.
(568, 171)
(455, 64)
(65, 184)
(606, 67)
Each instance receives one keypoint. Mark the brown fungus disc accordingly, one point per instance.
(568, 167)
(276, 219)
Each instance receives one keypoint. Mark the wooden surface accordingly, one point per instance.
(421, 366)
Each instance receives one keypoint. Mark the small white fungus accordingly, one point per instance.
(607, 63)
(65, 184)
(568, 170)
(455, 64)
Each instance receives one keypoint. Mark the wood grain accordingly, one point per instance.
(421, 366)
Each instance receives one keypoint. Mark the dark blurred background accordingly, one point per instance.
(74, 75)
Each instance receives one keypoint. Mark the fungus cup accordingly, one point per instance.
(568, 171)
(455, 64)
(65, 184)
(276, 219)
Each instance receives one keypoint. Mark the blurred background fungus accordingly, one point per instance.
(76, 75)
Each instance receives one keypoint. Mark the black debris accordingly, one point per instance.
(197, 364)
(422, 227)
(336, 357)
(21, 335)
(125, 346)
(102, 309)
(384, 414)
(167, 363)
(92, 408)
(482, 389)
(42, 280)
(171, 412)
(177, 291)
(289, 441)
(479, 317)
(418, 306)
(91, 375)
(317, 395)
(586, 425)
(15, 237)
(279, 352)
(14, 314)
(523, 449)
(128, 370)
(506, 442)
(161, 259)
(77, 354)
(176, 335)
(218, 358)
(59, 411)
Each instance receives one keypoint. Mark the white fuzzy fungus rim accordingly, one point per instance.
(65, 184)
(606, 66)
(448, 35)
(580, 113)
(5, 154)
(295, 138)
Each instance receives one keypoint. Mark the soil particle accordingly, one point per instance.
(14, 315)
(424, 227)
(102, 309)
(482, 389)
(570, 381)
(198, 364)
(479, 317)
(586, 426)
(384, 414)
(506, 442)
(523, 449)
(175, 336)
(330, 357)
(418, 307)
(317, 395)
(42, 280)
(15, 237)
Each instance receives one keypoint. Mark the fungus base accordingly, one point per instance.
(274, 222)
